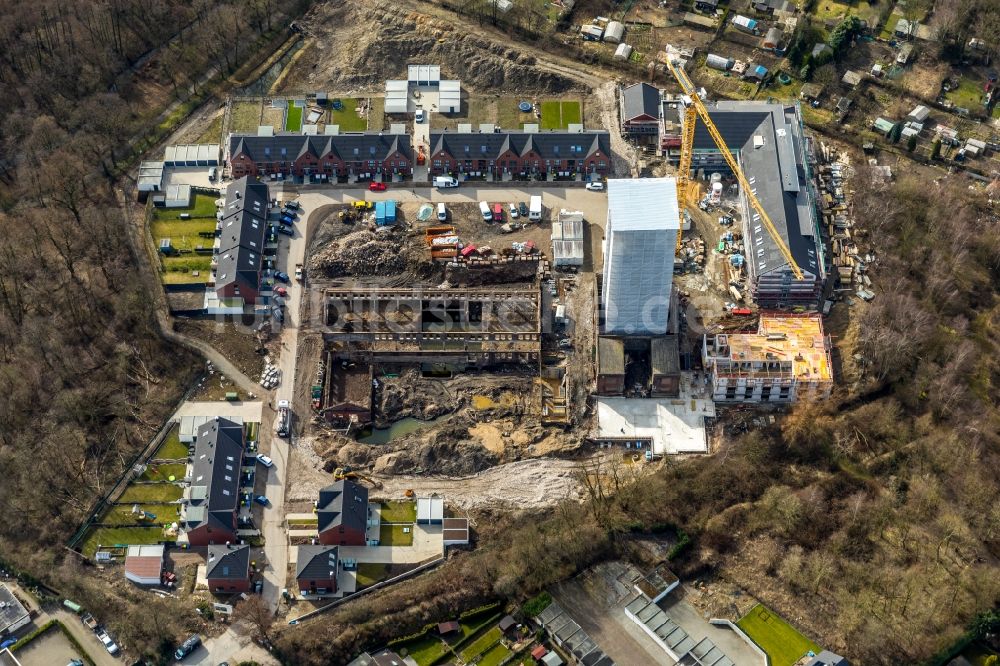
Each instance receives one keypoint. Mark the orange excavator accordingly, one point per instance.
(349, 474)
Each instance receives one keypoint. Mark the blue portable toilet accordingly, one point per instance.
(380, 213)
(390, 212)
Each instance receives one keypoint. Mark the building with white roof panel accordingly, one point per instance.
(398, 93)
(13, 614)
(430, 510)
(567, 239)
(640, 240)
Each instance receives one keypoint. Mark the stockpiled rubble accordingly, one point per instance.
(361, 252)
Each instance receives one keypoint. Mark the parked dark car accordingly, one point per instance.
(262, 500)
(287, 221)
(288, 231)
(294, 205)
(281, 277)
(290, 212)
(522, 208)
(188, 646)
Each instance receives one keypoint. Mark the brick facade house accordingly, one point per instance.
(211, 502)
(227, 569)
(520, 154)
(363, 155)
(342, 514)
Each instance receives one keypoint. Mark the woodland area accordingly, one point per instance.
(86, 375)
(879, 509)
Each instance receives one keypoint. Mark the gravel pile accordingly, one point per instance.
(360, 253)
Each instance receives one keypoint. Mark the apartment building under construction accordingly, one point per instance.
(787, 359)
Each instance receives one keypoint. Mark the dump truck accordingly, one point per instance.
(283, 423)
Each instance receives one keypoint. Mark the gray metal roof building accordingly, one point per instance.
(342, 504)
(241, 241)
(558, 144)
(640, 240)
(316, 562)
(768, 141)
(352, 147)
(191, 155)
(571, 637)
(228, 562)
(672, 637)
(13, 615)
(213, 496)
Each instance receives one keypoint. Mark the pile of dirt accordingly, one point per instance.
(379, 54)
(447, 451)
(478, 275)
(362, 252)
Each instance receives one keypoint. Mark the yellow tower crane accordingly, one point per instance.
(696, 108)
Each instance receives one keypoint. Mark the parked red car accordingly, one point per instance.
(281, 291)
(376, 187)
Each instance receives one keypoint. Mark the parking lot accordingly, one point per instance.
(48, 650)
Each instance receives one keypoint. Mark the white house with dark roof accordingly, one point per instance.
(640, 111)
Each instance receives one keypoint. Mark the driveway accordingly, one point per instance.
(248, 410)
(232, 646)
(428, 543)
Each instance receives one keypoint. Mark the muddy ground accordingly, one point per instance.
(238, 343)
(403, 37)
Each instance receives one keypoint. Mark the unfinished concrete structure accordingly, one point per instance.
(459, 327)
(768, 142)
(787, 359)
(348, 391)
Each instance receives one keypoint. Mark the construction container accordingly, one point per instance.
(232, 396)
(591, 33)
(719, 62)
(745, 24)
(623, 52)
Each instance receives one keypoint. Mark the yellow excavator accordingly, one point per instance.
(349, 474)
(695, 108)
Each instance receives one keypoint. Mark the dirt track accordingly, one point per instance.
(526, 484)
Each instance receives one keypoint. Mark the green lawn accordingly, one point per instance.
(370, 573)
(111, 536)
(782, 643)
(494, 656)
(559, 114)
(293, 118)
(347, 117)
(424, 651)
(151, 492)
(172, 447)
(187, 263)
(303, 524)
(399, 512)
(184, 234)
(164, 472)
(121, 514)
(203, 205)
(481, 644)
(968, 95)
(183, 278)
(509, 116)
(393, 535)
(890, 26)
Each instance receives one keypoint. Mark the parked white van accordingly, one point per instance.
(486, 211)
(445, 181)
(442, 212)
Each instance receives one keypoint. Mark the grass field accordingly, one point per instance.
(481, 644)
(399, 512)
(172, 447)
(184, 234)
(968, 95)
(111, 536)
(347, 117)
(164, 472)
(203, 206)
(393, 535)
(890, 26)
(183, 278)
(293, 118)
(829, 9)
(151, 492)
(424, 651)
(780, 640)
(559, 114)
(370, 573)
(121, 514)
(244, 116)
(509, 116)
(181, 268)
(494, 656)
